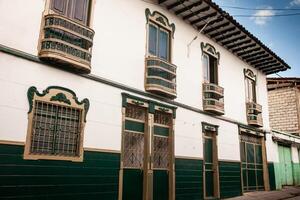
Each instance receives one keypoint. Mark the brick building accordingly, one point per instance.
(283, 94)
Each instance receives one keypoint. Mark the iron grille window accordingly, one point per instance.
(134, 136)
(161, 148)
(55, 130)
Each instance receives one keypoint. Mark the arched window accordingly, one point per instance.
(210, 63)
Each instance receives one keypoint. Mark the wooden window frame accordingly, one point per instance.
(58, 96)
(250, 77)
(159, 28)
(87, 18)
(210, 52)
(161, 22)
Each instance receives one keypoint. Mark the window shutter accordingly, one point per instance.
(80, 10)
(59, 6)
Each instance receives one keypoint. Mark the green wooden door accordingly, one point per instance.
(208, 167)
(133, 153)
(252, 165)
(285, 163)
(161, 155)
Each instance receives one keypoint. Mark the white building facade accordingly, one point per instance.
(112, 100)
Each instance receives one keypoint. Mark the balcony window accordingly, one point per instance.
(159, 42)
(213, 94)
(73, 9)
(66, 38)
(160, 72)
(250, 88)
(210, 69)
(254, 110)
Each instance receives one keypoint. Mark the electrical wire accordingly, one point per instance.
(279, 15)
(244, 8)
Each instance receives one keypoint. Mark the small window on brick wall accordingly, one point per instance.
(55, 126)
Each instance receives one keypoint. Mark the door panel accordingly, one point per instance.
(161, 155)
(285, 159)
(160, 185)
(132, 184)
(282, 165)
(133, 152)
(209, 167)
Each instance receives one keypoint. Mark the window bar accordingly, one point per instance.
(51, 127)
(34, 127)
(71, 142)
(44, 128)
(78, 128)
(64, 131)
(39, 149)
(55, 130)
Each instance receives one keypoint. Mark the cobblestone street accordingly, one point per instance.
(287, 193)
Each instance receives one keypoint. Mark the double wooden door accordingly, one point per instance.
(285, 165)
(147, 155)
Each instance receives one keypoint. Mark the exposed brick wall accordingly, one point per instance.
(283, 110)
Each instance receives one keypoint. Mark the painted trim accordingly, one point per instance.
(101, 150)
(188, 158)
(160, 19)
(153, 105)
(61, 97)
(10, 142)
(99, 79)
(211, 50)
(209, 127)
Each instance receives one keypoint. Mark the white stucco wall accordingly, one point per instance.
(103, 127)
(120, 46)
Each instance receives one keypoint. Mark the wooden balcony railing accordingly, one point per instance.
(254, 116)
(213, 98)
(160, 77)
(66, 42)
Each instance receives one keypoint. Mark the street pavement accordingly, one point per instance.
(287, 193)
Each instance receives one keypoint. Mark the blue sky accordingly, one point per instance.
(280, 34)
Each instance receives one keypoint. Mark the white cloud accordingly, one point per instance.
(295, 3)
(261, 17)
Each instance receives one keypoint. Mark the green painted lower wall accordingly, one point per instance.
(188, 179)
(95, 178)
(230, 179)
(296, 173)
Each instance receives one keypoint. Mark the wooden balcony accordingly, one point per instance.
(213, 98)
(254, 116)
(160, 77)
(66, 42)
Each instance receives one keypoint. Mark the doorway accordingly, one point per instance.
(285, 165)
(210, 162)
(147, 159)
